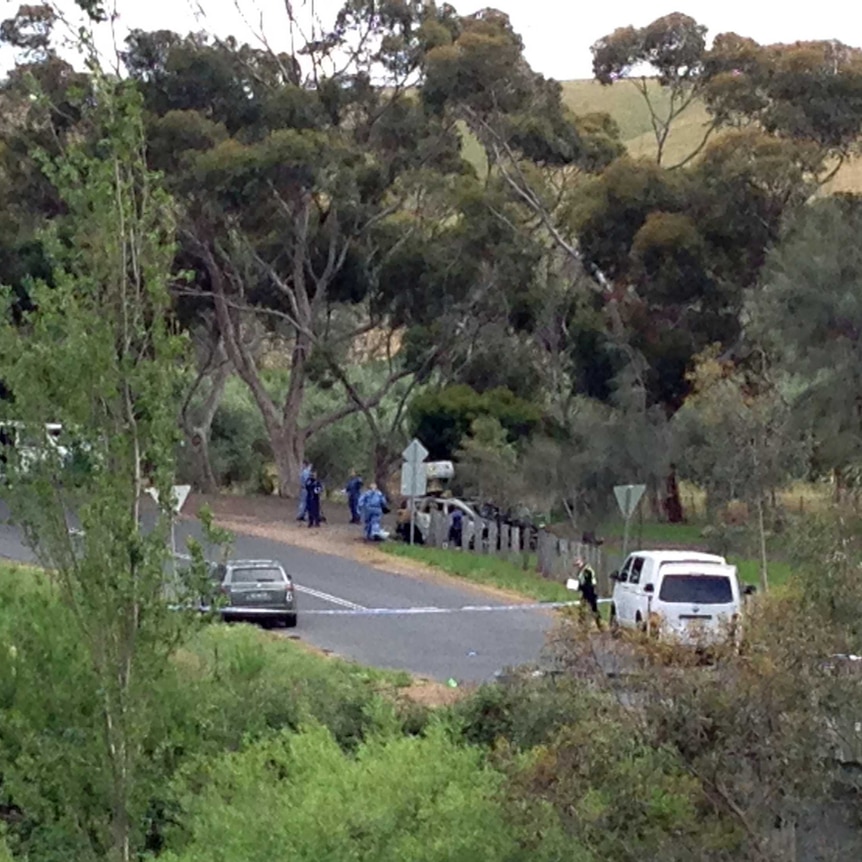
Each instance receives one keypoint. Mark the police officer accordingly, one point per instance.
(314, 492)
(304, 476)
(371, 506)
(353, 489)
(587, 587)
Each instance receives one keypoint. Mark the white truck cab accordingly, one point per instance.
(684, 594)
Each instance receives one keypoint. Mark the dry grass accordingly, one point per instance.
(626, 105)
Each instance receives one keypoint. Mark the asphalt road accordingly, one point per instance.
(348, 608)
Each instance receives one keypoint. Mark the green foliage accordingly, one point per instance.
(421, 798)
(50, 705)
(98, 354)
(808, 315)
(443, 418)
(238, 443)
(524, 712)
(227, 685)
(623, 797)
(734, 435)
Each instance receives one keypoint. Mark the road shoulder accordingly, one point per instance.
(274, 519)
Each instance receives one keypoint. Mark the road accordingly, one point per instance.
(347, 608)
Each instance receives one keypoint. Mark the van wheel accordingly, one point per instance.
(614, 623)
(640, 623)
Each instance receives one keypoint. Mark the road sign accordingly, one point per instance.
(414, 478)
(414, 481)
(628, 497)
(415, 453)
(179, 495)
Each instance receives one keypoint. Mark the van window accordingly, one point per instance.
(637, 566)
(624, 571)
(696, 590)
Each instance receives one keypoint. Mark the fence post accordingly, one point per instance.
(514, 544)
(492, 537)
(469, 533)
(542, 553)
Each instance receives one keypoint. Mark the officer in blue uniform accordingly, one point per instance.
(371, 505)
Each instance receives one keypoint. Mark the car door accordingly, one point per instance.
(637, 597)
(621, 593)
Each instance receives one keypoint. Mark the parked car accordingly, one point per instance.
(690, 596)
(255, 590)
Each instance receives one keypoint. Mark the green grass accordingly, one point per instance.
(778, 572)
(496, 572)
(688, 535)
(487, 570)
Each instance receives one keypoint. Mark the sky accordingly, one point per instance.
(557, 33)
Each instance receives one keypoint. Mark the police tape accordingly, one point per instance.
(382, 612)
(351, 609)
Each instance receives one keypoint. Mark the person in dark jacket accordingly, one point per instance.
(314, 493)
(353, 489)
(587, 587)
(456, 528)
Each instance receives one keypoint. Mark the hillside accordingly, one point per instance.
(625, 104)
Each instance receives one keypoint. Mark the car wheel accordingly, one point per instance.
(289, 621)
(640, 623)
(614, 622)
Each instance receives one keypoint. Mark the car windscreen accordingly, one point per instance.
(696, 589)
(257, 575)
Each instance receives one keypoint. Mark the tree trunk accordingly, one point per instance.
(198, 439)
(384, 461)
(288, 451)
(198, 433)
(764, 579)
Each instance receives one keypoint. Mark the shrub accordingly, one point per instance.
(239, 446)
(420, 798)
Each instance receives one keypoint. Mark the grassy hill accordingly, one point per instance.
(626, 105)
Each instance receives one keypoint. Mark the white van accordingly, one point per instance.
(684, 594)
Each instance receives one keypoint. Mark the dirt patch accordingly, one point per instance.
(432, 694)
(274, 518)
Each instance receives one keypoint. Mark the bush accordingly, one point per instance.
(418, 799)
(239, 446)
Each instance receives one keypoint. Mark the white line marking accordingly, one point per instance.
(327, 597)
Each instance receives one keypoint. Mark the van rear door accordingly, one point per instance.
(693, 596)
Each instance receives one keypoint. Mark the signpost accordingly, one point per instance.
(414, 480)
(628, 497)
(179, 495)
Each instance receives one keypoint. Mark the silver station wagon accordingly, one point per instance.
(255, 591)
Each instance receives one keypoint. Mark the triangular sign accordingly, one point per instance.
(179, 495)
(628, 497)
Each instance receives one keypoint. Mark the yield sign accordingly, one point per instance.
(179, 494)
(415, 453)
(628, 497)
